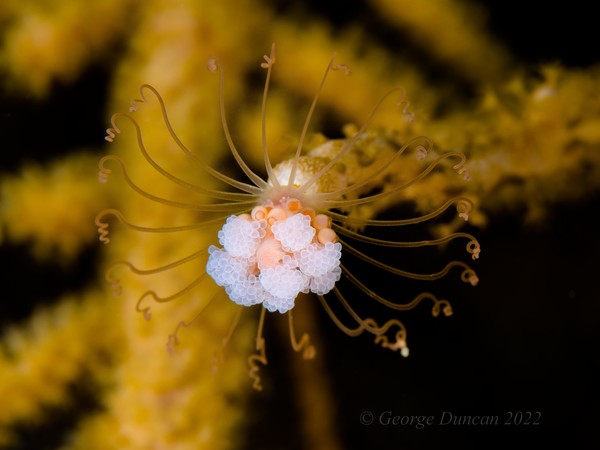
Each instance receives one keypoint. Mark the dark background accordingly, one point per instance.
(526, 339)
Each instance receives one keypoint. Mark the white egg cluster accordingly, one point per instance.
(271, 256)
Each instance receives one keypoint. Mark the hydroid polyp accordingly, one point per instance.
(289, 233)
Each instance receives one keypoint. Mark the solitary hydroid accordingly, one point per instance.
(284, 235)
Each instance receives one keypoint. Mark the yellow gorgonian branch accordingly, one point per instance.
(44, 42)
(374, 69)
(40, 361)
(176, 394)
(52, 207)
(452, 31)
(532, 141)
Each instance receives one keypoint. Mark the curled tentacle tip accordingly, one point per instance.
(309, 353)
(102, 231)
(409, 117)
(421, 153)
(116, 289)
(133, 106)
(464, 208)
(217, 360)
(343, 67)
(469, 276)
(461, 169)
(407, 114)
(445, 307)
(256, 385)
(111, 133)
(172, 342)
(103, 235)
(465, 173)
(211, 64)
(474, 248)
(103, 175)
(170, 349)
(400, 345)
(269, 59)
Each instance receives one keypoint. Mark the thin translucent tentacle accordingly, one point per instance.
(292, 177)
(116, 283)
(173, 339)
(371, 198)
(219, 356)
(304, 345)
(103, 226)
(145, 310)
(464, 206)
(369, 325)
(260, 356)
(268, 64)
(372, 327)
(420, 149)
(207, 168)
(216, 207)
(257, 180)
(472, 246)
(111, 132)
(353, 332)
(467, 275)
(397, 306)
(348, 144)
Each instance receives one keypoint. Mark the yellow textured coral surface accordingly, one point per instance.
(50, 206)
(531, 138)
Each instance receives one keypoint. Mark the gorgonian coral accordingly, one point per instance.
(530, 137)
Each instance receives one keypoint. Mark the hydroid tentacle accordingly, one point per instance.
(116, 283)
(371, 198)
(257, 180)
(464, 206)
(103, 226)
(348, 144)
(158, 299)
(304, 345)
(212, 207)
(260, 356)
(215, 173)
(415, 276)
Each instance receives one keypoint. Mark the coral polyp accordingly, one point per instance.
(290, 232)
